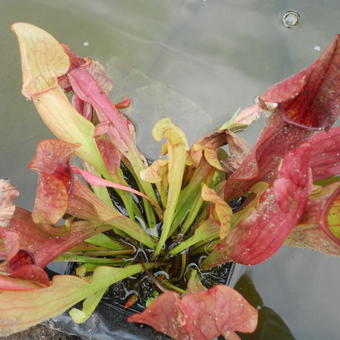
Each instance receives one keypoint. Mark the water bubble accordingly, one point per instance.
(290, 18)
(317, 48)
(86, 43)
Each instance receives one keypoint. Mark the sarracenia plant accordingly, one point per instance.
(215, 200)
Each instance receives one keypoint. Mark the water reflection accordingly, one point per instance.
(271, 325)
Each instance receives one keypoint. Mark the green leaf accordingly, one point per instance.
(194, 284)
(87, 259)
(105, 241)
(20, 310)
(221, 209)
(89, 305)
(177, 151)
(205, 231)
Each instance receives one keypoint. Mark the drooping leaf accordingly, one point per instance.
(309, 98)
(7, 195)
(220, 208)
(209, 145)
(177, 151)
(20, 310)
(197, 316)
(97, 181)
(261, 233)
(157, 173)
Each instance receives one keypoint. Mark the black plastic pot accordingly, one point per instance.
(109, 321)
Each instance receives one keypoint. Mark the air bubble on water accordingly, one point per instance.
(317, 48)
(290, 18)
(86, 43)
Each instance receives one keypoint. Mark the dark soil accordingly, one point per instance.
(40, 332)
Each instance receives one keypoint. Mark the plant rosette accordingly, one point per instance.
(215, 200)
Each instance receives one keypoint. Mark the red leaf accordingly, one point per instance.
(310, 98)
(125, 103)
(41, 246)
(22, 233)
(325, 156)
(51, 200)
(86, 87)
(75, 61)
(20, 259)
(110, 154)
(260, 235)
(51, 161)
(200, 316)
(307, 99)
(85, 109)
(52, 157)
(275, 141)
(320, 206)
(10, 283)
(7, 195)
(31, 272)
(97, 181)
(84, 204)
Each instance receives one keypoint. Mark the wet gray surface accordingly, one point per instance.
(196, 62)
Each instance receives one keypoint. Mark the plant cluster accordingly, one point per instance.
(215, 200)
